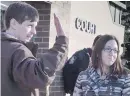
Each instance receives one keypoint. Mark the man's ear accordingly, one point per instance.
(13, 23)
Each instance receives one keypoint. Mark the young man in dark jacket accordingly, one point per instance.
(21, 72)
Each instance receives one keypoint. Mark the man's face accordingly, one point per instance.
(26, 30)
(109, 53)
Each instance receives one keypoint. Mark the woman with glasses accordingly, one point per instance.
(106, 76)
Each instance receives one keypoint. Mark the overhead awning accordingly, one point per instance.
(123, 6)
(4, 4)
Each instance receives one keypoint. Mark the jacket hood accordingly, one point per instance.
(7, 37)
(88, 50)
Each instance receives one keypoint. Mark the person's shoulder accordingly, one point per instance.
(126, 74)
(21, 48)
(15, 45)
(84, 51)
(127, 70)
(127, 77)
(23, 52)
(18, 45)
(79, 51)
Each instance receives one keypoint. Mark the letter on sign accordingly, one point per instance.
(85, 26)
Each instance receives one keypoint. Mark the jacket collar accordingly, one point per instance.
(8, 37)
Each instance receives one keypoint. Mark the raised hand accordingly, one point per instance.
(59, 29)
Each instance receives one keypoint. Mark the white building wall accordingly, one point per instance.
(97, 13)
(62, 11)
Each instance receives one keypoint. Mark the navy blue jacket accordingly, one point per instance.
(77, 63)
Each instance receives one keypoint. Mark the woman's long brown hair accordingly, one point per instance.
(117, 67)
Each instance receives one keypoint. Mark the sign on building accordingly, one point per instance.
(85, 26)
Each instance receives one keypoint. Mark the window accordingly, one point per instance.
(2, 12)
(112, 9)
(124, 2)
(2, 20)
(117, 15)
(116, 12)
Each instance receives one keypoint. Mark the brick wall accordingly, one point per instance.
(43, 29)
(46, 34)
(62, 10)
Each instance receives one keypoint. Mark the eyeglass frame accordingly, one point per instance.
(110, 50)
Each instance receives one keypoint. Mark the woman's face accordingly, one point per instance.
(109, 53)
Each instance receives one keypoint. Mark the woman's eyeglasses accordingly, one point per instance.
(110, 50)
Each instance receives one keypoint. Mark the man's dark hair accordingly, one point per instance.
(20, 11)
(95, 40)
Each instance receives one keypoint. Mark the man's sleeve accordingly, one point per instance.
(33, 73)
